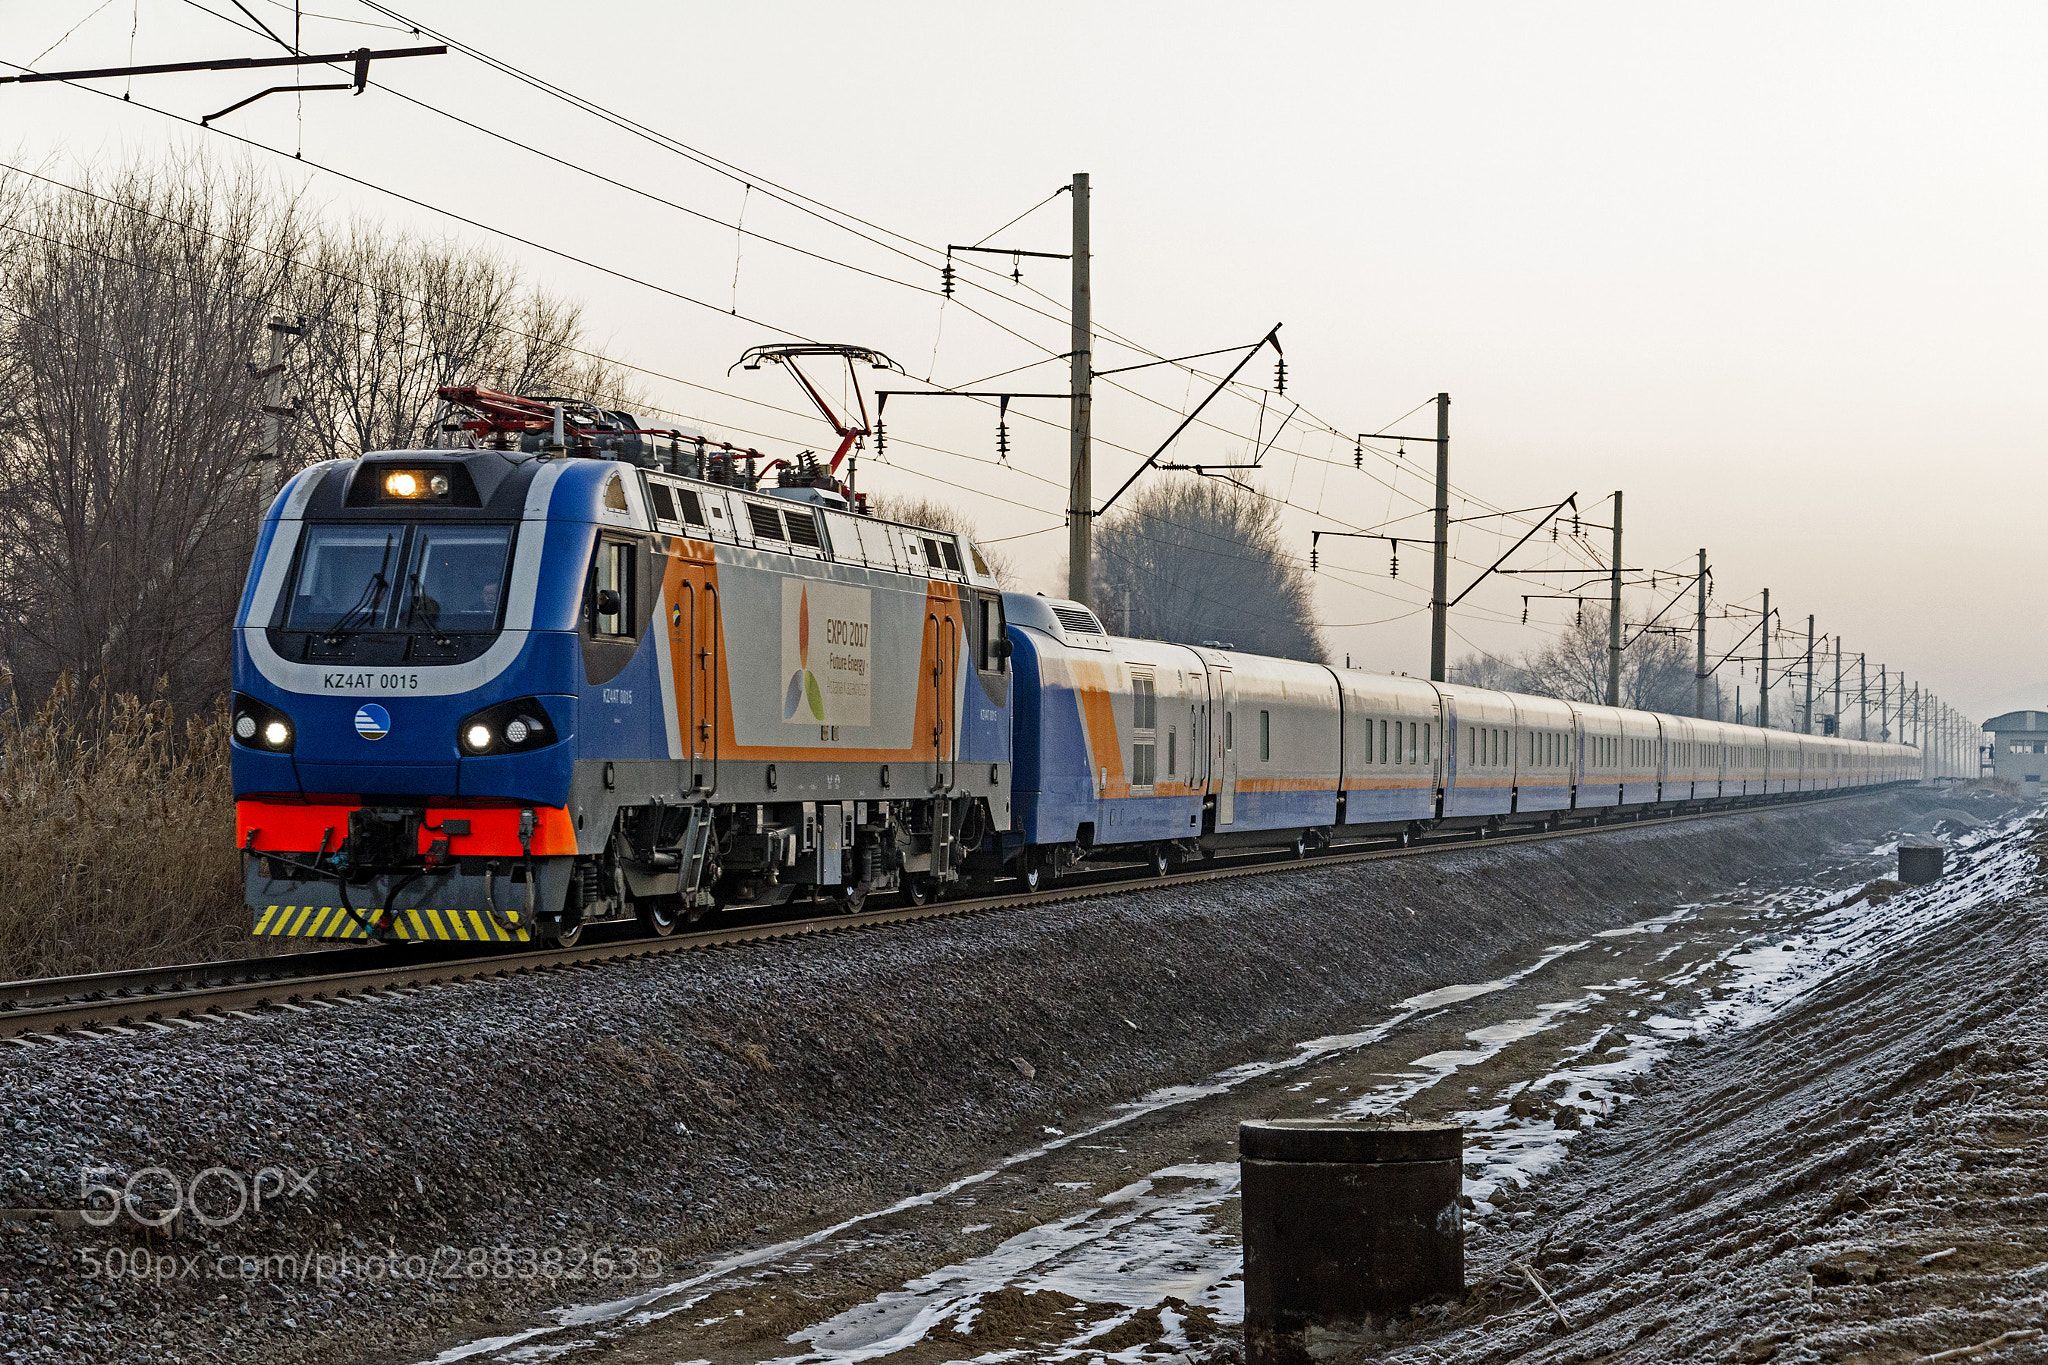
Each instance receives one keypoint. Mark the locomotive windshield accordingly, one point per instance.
(436, 579)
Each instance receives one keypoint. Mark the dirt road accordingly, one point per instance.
(1796, 1123)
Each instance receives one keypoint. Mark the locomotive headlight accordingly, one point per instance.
(259, 725)
(507, 728)
(403, 484)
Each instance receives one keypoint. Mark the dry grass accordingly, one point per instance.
(116, 837)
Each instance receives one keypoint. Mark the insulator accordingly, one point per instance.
(1016, 269)
(1553, 530)
(1402, 450)
(881, 439)
(1280, 374)
(1315, 558)
(1525, 611)
(1394, 568)
(1579, 618)
(1357, 455)
(1575, 524)
(946, 278)
(1003, 441)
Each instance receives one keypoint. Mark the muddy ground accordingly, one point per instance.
(712, 1121)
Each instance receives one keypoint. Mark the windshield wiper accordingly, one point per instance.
(422, 606)
(373, 593)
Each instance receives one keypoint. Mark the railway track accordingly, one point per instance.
(158, 998)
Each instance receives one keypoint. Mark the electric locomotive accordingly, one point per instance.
(584, 672)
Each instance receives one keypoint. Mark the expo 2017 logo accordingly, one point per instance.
(803, 693)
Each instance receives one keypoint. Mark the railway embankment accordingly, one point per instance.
(478, 1153)
(1859, 1178)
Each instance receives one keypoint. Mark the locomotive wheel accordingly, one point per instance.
(562, 934)
(1038, 870)
(658, 915)
(1156, 861)
(850, 899)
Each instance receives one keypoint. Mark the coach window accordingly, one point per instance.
(1425, 742)
(611, 590)
(1144, 729)
(1265, 736)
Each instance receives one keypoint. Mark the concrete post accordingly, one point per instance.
(1344, 1224)
(1080, 414)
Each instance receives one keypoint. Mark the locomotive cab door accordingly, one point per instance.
(942, 641)
(705, 678)
(693, 654)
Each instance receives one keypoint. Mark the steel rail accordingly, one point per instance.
(152, 995)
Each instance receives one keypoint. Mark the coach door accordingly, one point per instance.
(1225, 765)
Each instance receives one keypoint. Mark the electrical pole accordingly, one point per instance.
(1614, 613)
(1440, 594)
(1838, 686)
(1808, 725)
(1080, 370)
(276, 410)
(1699, 668)
(1883, 701)
(1763, 693)
(1917, 737)
(1862, 696)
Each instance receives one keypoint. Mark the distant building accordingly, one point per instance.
(2019, 748)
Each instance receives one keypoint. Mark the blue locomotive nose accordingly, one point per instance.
(387, 746)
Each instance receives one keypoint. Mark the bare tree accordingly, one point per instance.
(130, 317)
(128, 411)
(1199, 561)
(1656, 667)
(388, 322)
(941, 516)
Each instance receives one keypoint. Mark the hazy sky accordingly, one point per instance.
(1775, 270)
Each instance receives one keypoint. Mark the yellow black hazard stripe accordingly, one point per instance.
(415, 925)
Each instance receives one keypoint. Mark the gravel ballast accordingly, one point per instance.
(635, 1118)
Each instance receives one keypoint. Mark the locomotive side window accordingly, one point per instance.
(990, 643)
(611, 602)
(1265, 736)
(664, 501)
